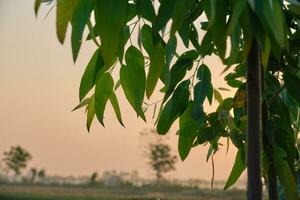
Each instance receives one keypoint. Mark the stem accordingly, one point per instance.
(254, 122)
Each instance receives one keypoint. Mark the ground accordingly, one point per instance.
(23, 192)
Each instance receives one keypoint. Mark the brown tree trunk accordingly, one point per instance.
(254, 122)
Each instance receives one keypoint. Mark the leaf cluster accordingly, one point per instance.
(152, 59)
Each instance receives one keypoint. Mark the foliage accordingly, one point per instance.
(16, 159)
(153, 60)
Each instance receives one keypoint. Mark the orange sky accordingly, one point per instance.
(39, 87)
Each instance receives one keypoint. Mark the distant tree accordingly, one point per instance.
(159, 154)
(33, 173)
(16, 159)
(93, 178)
(41, 174)
(161, 160)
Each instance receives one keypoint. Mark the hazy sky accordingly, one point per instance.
(39, 87)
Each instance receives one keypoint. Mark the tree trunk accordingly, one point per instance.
(254, 122)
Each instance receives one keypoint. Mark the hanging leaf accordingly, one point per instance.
(145, 9)
(194, 37)
(103, 91)
(179, 70)
(111, 17)
(157, 62)
(237, 169)
(292, 83)
(90, 113)
(174, 107)
(164, 14)
(114, 102)
(188, 128)
(237, 10)
(80, 18)
(92, 71)
(146, 38)
(64, 14)
(285, 176)
(124, 36)
(133, 79)
(181, 11)
(218, 96)
(271, 16)
(82, 104)
(37, 5)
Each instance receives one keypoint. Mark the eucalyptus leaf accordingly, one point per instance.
(103, 91)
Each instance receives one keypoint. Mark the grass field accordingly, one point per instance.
(21, 192)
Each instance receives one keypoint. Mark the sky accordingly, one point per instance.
(39, 87)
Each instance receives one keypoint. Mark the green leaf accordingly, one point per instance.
(82, 104)
(197, 11)
(90, 112)
(201, 90)
(292, 84)
(170, 50)
(103, 91)
(157, 62)
(237, 10)
(92, 71)
(184, 33)
(270, 13)
(181, 11)
(210, 94)
(111, 17)
(146, 38)
(188, 131)
(207, 46)
(174, 107)
(245, 20)
(114, 102)
(200, 93)
(164, 14)
(209, 6)
(218, 96)
(37, 5)
(237, 169)
(212, 149)
(294, 8)
(203, 73)
(235, 48)
(123, 40)
(207, 134)
(170, 47)
(285, 176)
(216, 12)
(179, 69)
(80, 18)
(133, 79)
(145, 9)
(194, 37)
(64, 14)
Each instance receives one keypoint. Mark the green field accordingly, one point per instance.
(21, 192)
